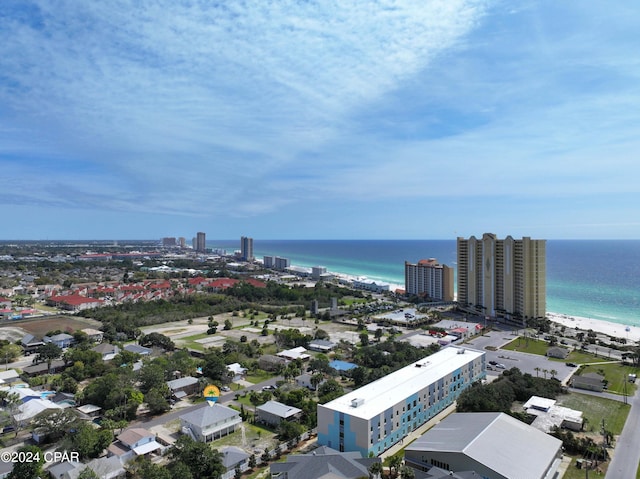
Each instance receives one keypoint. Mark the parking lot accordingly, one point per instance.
(525, 362)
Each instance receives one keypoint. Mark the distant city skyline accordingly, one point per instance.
(310, 120)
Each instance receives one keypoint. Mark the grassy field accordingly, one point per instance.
(574, 473)
(41, 326)
(528, 345)
(616, 375)
(580, 357)
(258, 376)
(596, 408)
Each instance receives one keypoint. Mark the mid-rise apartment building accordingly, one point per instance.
(430, 279)
(378, 415)
(503, 278)
(281, 263)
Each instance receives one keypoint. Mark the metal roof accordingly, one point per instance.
(494, 440)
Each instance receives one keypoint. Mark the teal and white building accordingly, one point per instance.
(378, 415)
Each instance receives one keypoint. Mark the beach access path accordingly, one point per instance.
(626, 455)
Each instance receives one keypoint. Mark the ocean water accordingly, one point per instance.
(597, 279)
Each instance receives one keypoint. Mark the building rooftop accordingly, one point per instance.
(278, 409)
(207, 415)
(493, 439)
(378, 396)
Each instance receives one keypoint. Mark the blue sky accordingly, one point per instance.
(313, 120)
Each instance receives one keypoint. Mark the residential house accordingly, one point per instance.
(30, 344)
(274, 412)
(9, 377)
(104, 467)
(304, 380)
(323, 462)
(62, 340)
(589, 381)
(295, 353)
(132, 443)
(237, 371)
(94, 335)
(136, 348)
(74, 302)
(183, 387)
(208, 423)
(557, 352)
(269, 362)
(107, 351)
(321, 345)
(233, 457)
(57, 365)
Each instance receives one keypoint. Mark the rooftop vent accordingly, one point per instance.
(357, 402)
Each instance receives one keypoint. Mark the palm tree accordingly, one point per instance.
(537, 370)
(545, 371)
(375, 470)
(394, 464)
(553, 373)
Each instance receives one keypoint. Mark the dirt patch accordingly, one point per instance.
(40, 327)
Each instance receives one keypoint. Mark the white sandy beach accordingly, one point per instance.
(630, 333)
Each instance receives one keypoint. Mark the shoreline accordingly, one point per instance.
(617, 330)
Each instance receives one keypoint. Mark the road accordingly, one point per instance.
(626, 457)
(224, 398)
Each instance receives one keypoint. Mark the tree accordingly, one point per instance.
(364, 339)
(157, 339)
(54, 423)
(151, 375)
(202, 461)
(47, 353)
(156, 399)
(315, 380)
(407, 473)
(394, 464)
(329, 390)
(88, 473)
(252, 461)
(10, 352)
(143, 468)
(375, 470)
(227, 324)
(214, 367)
(378, 334)
(11, 403)
(88, 441)
(28, 469)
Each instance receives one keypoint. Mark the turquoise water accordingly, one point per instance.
(594, 279)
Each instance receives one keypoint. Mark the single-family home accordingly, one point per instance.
(108, 351)
(136, 348)
(183, 387)
(323, 462)
(233, 457)
(208, 423)
(56, 366)
(30, 343)
(104, 467)
(274, 412)
(94, 335)
(321, 345)
(132, 443)
(589, 381)
(269, 362)
(558, 352)
(304, 380)
(237, 371)
(295, 353)
(62, 340)
(9, 377)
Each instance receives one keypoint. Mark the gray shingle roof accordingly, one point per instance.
(325, 462)
(278, 409)
(207, 415)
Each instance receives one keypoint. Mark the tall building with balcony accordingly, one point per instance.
(503, 278)
(201, 242)
(246, 248)
(430, 279)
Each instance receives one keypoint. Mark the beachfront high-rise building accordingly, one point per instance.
(201, 242)
(281, 263)
(503, 278)
(267, 261)
(246, 248)
(430, 279)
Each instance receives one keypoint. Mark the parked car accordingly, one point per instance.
(493, 363)
(225, 388)
(268, 387)
(501, 366)
(571, 365)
